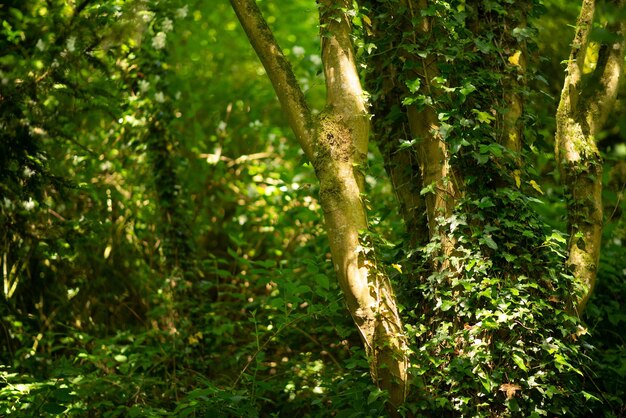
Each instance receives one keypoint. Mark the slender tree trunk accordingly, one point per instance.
(583, 109)
(177, 250)
(401, 163)
(427, 163)
(432, 149)
(391, 130)
(512, 83)
(336, 142)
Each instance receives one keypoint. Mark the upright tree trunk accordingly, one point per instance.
(391, 130)
(336, 142)
(177, 250)
(583, 110)
(425, 165)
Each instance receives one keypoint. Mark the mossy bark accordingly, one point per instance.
(336, 142)
(583, 109)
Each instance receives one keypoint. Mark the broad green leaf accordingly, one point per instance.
(520, 362)
(120, 358)
(490, 242)
(374, 395)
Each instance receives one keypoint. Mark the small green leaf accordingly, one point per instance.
(589, 396)
(322, 281)
(428, 189)
(407, 144)
(413, 85)
(445, 129)
(490, 242)
(120, 358)
(467, 89)
(446, 305)
(520, 362)
(509, 257)
(493, 149)
(374, 395)
(483, 117)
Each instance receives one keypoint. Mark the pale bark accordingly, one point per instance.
(336, 142)
(581, 114)
(340, 155)
(435, 166)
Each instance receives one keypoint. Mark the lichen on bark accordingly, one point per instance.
(582, 112)
(336, 142)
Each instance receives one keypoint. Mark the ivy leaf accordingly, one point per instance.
(483, 117)
(407, 144)
(490, 242)
(483, 46)
(445, 129)
(493, 149)
(557, 237)
(428, 189)
(520, 362)
(510, 257)
(414, 85)
(518, 180)
(467, 89)
(446, 305)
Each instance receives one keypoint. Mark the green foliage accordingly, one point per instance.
(494, 337)
(162, 248)
(490, 331)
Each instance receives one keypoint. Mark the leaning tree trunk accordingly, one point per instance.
(336, 142)
(583, 110)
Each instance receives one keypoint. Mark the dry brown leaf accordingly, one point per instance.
(509, 389)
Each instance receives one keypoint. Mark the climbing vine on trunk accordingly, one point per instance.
(487, 287)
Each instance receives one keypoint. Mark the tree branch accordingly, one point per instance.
(341, 148)
(572, 84)
(279, 71)
(610, 68)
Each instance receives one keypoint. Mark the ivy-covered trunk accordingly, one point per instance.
(448, 83)
(177, 251)
(487, 286)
